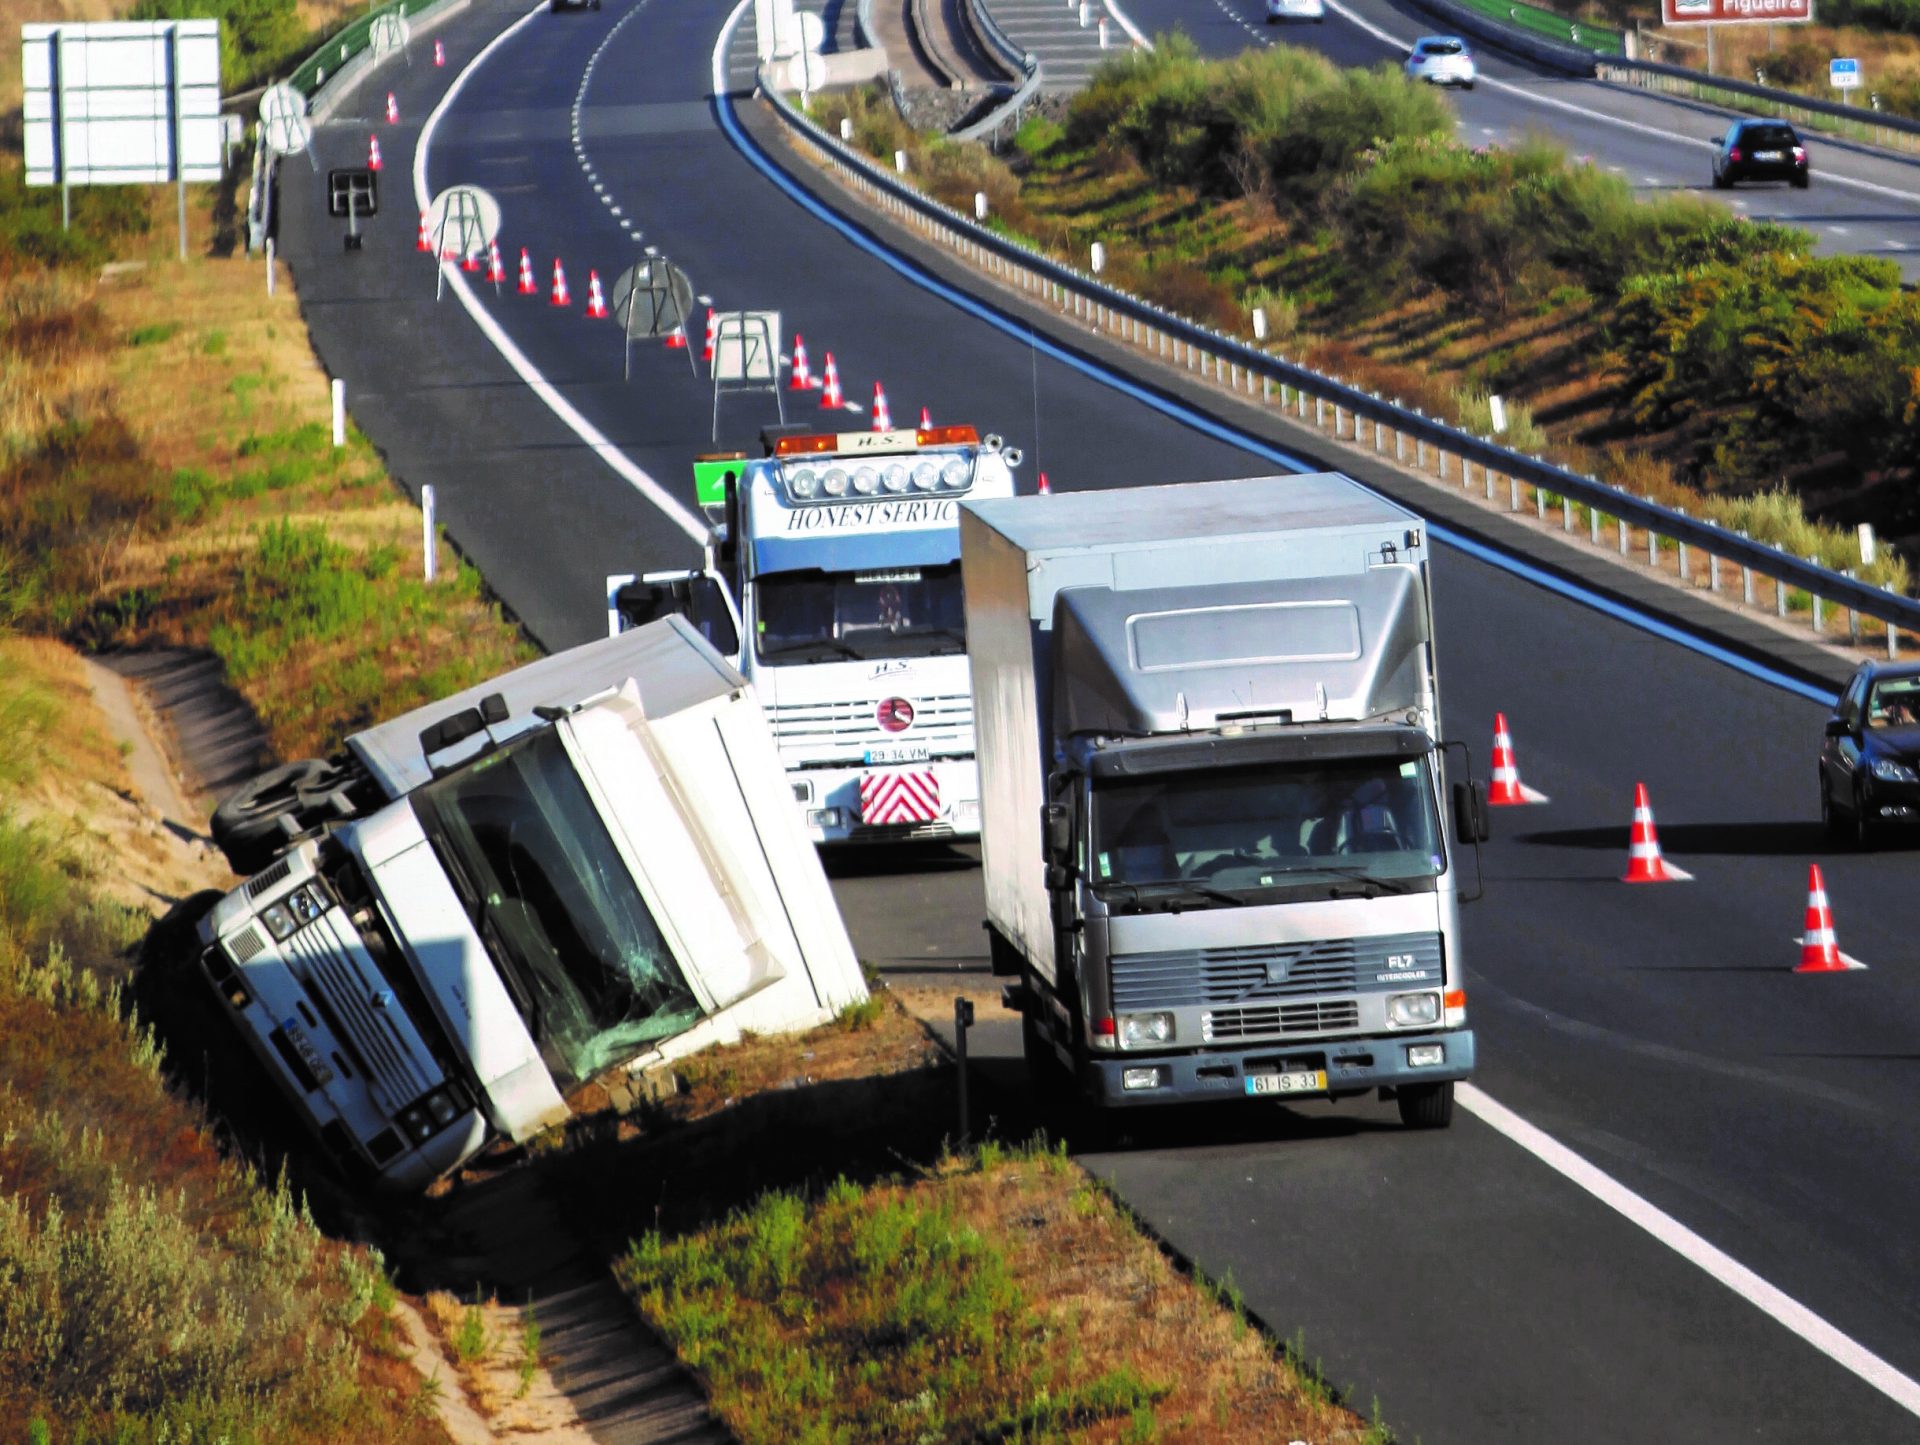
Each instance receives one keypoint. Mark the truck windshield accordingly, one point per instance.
(561, 914)
(1365, 822)
(811, 615)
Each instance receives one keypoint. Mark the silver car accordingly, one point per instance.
(1278, 10)
(1441, 60)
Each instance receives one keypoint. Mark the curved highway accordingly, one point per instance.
(1740, 1265)
(1861, 200)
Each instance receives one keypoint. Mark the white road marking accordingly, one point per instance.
(1775, 1303)
(1520, 92)
(1838, 230)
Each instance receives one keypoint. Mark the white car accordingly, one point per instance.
(1441, 60)
(1277, 10)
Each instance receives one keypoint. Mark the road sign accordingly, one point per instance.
(389, 33)
(121, 103)
(746, 357)
(283, 120)
(1843, 74)
(463, 219)
(1735, 12)
(652, 298)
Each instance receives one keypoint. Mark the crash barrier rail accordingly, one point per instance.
(1552, 24)
(313, 72)
(933, 47)
(1023, 65)
(863, 26)
(1896, 132)
(1699, 548)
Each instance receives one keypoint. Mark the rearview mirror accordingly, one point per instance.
(1838, 727)
(1059, 830)
(1471, 823)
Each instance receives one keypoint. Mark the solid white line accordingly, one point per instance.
(1520, 92)
(1841, 1348)
(641, 481)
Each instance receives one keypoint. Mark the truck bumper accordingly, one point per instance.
(829, 803)
(1353, 1066)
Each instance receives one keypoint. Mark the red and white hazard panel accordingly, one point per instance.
(899, 797)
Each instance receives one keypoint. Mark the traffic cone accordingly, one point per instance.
(1507, 790)
(677, 339)
(802, 378)
(1644, 863)
(882, 418)
(439, 53)
(596, 303)
(926, 421)
(830, 398)
(706, 351)
(470, 262)
(425, 241)
(1819, 949)
(373, 152)
(393, 109)
(528, 286)
(1045, 490)
(560, 296)
(496, 272)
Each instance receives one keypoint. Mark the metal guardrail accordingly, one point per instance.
(1022, 63)
(939, 62)
(863, 26)
(1360, 417)
(312, 73)
(1552, 24)
(1890, 130)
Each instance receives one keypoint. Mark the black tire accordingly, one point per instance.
(1425, 1106)
(1861, 832)
(1800, 183)
(1830, 819)
(1467, 85)
(1720, 182)
(247, 824)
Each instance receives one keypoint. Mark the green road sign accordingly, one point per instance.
(709, 481)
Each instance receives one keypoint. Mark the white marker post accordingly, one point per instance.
(1099, 258)
(1867, 549)
(1498, 410)
(269, 265)
(1259, 323)
(430, 556)
(339, 412)
(846, 127)
(900, 162)
(979, 205)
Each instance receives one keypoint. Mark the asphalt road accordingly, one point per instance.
(1861, 201)
(1656, 1031)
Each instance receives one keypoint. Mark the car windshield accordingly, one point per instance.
(1894, 703)
(1365, 822)
(1769, 137)
(540, 877)
(809, 615)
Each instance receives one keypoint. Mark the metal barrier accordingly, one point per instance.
(310, 74)
(1023, 64)
(1361, 418)
(1893, 131)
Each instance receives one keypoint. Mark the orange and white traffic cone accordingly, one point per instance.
(470, 262)
(1644, 863)
(424, 241)
(677, 339)
(528, 286)
(496, 272)
(373, 152)
(439, 52)
(706, 350)
(1819, 949)
(882, 418)
(1045, 489)
(801, 378)
(926, 420)
(830, 397)
(393, 109)
(560, 296)
(1507, 790)
(596, 303)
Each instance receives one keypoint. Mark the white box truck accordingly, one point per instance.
(1211, 793)
(833, 583)
(593, 861)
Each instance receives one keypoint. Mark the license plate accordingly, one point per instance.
(1299, 1081)
(1766, 155)
(309, 1055)
(898, 753)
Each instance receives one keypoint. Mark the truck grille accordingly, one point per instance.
(1199, 977)
(1342, 1015)
(383, 1038)
(943, 724)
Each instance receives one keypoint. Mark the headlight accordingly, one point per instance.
(1409, 1010)
(894, 477)
(955, 474)
(1141, 1029)
(926, 476)
(1892, 770)
(866, 481)
(308, 903)
(279, 920)
(803, 483)
(834, 483)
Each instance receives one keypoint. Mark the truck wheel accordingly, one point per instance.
(247, 824)
(1426, 1106)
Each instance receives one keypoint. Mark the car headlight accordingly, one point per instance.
(894, 477)
(866, 481)
(803, 483)
(955, 474)
(834, 483)
(1137, 1030)
(1892, 770)
(1411, 1010)
(926, 476)
(279, 920)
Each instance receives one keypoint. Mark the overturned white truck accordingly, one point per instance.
(590, 862)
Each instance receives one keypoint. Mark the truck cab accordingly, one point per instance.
(832, 581)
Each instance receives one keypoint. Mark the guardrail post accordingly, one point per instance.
(1626, 536)
(1653, 548)
(1593, 525)
(1540, 502)
(1853, 615)
(1513, 492)
(1399, 445)
(1319, 412)
(1420, 453)
(1779, 597)
(1339, 421)
(1893, 642)
(1566, 514)
(1443, 463)
(1685, 575)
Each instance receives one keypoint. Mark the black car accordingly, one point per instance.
(1759, 150)
(1870, 762)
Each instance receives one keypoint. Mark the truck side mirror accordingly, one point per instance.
(1471, 823)
(697, 596)
(1059, 830)
(1059, 876)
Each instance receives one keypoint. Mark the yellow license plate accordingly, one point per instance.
(1297, 1081)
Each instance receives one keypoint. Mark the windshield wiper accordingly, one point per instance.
(1184, 885)
(1357, 875)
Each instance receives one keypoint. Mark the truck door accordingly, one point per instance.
(701, 597)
